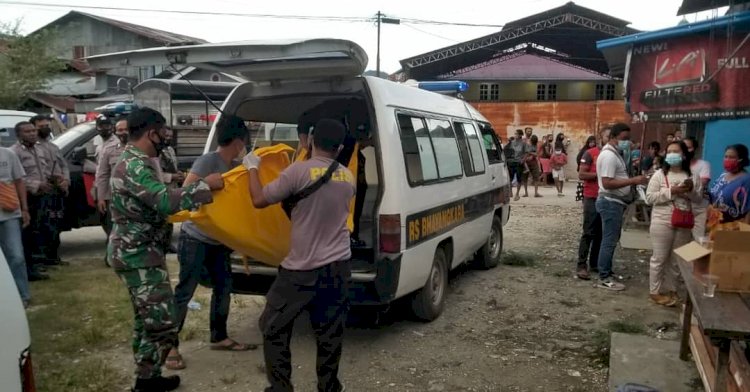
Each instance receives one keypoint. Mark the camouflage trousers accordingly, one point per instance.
(154, 331)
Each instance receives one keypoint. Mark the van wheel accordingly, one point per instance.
(428, 302)
(489, 255)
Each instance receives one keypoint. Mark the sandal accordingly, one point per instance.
(174, 362)
(234, 346)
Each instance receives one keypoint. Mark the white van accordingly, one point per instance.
(15, 356)
(438, 188)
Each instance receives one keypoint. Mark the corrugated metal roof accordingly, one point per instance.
(163, 37)
(530, 67)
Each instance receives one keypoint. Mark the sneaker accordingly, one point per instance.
(583, 273)
(663, 300)
(610, 284)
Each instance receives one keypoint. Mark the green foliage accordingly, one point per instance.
(25, 66)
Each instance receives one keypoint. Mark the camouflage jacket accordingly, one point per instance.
(140, 206)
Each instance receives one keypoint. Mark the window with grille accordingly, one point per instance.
(605, 92)
(489, 92)
(552, 92)
(541, 92)
(599, 92)
(484, 92)
(494, 92)
(610, 92)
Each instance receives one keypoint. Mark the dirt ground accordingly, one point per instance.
(523, 327)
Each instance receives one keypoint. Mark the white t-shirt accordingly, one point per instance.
(702, 170)
(611, 165)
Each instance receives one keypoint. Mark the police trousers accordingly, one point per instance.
(321, 292)
(154, 330)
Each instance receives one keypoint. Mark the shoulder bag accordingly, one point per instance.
(681, 219)
(290, 202)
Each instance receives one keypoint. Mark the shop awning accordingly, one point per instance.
(615, 50)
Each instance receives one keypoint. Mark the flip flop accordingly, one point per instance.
(177, 362)
(234, 346)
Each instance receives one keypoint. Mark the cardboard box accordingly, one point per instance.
(729, 259)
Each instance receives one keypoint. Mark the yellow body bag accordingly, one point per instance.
(259, 234)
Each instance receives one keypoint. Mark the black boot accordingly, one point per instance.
(158, 384)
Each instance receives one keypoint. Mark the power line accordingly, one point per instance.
(201, 13)
(247, 15)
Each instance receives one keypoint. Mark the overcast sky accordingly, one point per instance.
(397, 42)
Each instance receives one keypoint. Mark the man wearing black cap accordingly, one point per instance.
(104, 128)
(314, 276)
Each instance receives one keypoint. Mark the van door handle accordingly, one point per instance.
(493, 177)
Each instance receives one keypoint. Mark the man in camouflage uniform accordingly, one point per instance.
(140, 205)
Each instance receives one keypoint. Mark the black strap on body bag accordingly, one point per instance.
(290, 202)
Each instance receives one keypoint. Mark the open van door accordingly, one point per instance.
(258, 61)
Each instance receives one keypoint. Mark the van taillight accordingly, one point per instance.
(27, 372)
(390, 233)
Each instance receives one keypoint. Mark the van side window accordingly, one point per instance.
(471, 148)
(492, 145)
(446, 148)
(418, 153)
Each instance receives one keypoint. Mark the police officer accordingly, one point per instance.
(140, 206)
(34, 161)
(104, 138)
(314, 275)
(110, 154)
(55, 200)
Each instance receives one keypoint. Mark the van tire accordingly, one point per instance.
(427, 303)
(489, 254)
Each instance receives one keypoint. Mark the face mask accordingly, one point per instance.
(623, 145)
(592, 144)
(44, 132)
(123, 138)
(105, 133)
(558, 152)
(159, 146)
(731, 165)
(673, 159)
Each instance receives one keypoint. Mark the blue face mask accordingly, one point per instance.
(673, 159)
(623, 145)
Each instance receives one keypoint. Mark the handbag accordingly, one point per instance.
(9, 197)
(681, 219)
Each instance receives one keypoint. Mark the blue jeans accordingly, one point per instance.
(611, 213)
(12, 246)
(204, 263)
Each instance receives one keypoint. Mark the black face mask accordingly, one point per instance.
(44, 132)
(159, 146)
(123, 138)
(105, 133)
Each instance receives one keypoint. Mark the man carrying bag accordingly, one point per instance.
(314, 276)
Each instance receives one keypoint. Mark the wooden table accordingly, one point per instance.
(723, 318)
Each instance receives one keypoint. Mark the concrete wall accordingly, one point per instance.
(577, 120)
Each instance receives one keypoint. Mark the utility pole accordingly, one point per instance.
(382, 19)
(377, 61)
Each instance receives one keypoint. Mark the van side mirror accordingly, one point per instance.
(79, 155)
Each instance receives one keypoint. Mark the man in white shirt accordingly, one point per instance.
(703, 169)
(614, 197)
